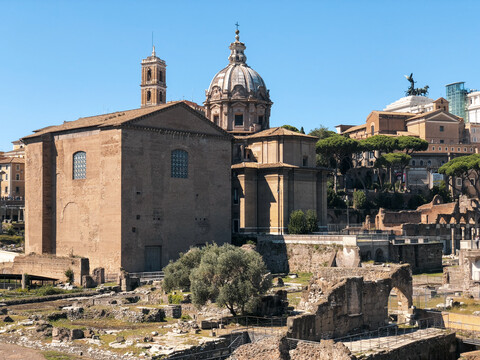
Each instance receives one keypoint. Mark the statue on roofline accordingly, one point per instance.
(415, 92)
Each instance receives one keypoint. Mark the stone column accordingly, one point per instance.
(453, 239)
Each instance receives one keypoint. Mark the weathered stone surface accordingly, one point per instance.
(266, 349)
(61, 334)
(76, 334)
(325, 350)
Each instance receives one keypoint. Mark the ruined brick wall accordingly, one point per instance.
(48, 266)
(387, 219)
(342, 300)
(300, 256)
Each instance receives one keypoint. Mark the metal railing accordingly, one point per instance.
(152, 275)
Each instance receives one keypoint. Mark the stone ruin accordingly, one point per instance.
(339, 301)
(465, 277)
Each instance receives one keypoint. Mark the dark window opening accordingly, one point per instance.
(161, 96)
(216, 119)
(235, 196)
(441, 141)
(441, 128)
(149, 75)
(17, 189)
(305, 161)
(161, 76)
(149, 95)
(260, 119)
(236, 225)
(238, 119)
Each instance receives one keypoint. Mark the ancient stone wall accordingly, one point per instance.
(344, 300)
(421, 257)
(282, 256)
(48, 266)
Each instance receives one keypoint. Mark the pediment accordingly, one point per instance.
(179, 118)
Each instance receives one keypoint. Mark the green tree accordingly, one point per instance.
(359, 199)
(297, 223)
(411, 144)
(230, 276)
(441, 190)
(302, 131)
(291, 128)
(393, 161)
(322, 132)
(340, 148)
(311, 220)
(177, 274)
(69, 275)
(463, 167)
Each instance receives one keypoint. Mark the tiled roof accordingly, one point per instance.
(112, 119)
(255, 165)
(432, 113)
(276, 131)
(12, 160)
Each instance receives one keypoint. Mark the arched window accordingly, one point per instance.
(179, 164)
(149, 95)
(372, 129)
(160, 78)
(160, 96)
(149, 75)
(80, 165)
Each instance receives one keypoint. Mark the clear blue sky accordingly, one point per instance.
(325, 62)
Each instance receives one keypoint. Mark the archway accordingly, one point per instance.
(398, 306)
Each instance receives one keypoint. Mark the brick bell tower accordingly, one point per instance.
(153, 86)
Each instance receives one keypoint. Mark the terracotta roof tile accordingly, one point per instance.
(112, 119)
(276, 131)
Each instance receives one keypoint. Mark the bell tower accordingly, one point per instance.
(153, 86)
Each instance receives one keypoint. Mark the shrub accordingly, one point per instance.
(69, 275)
(311, 221)
(297, 223)
(175, 298)
(48, 290)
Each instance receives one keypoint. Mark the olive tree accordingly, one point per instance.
(177, 274)
(230, 276)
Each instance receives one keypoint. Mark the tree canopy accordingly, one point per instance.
(322, 132)
(411, 144)
(462, 167)
(227, 275)
(291, 128)
(177, 274)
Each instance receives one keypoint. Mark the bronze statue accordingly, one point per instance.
(412, 91)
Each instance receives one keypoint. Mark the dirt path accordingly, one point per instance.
(14, 352)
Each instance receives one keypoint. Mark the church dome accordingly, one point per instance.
(238, 77)
(237, 99)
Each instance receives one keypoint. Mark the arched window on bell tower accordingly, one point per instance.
(149, 74)
(149, 96)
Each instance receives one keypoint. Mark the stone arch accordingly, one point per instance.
(401, 285)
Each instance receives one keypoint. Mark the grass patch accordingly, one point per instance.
(303, 278)
(11, 239)
(55, 355)
(294, 298)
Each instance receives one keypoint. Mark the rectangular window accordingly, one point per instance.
(6, 189)
(17, 189)
(17, 176)
(179, 164)
(441, 128)
(459, 182)
(216, 119)
(236, 225)
(18, 167)
(238, 119)
(305, 161)
(235, 196)
(260, 119)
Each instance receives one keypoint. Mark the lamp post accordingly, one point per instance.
(348, 217)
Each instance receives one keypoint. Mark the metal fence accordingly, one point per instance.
(145, 276)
